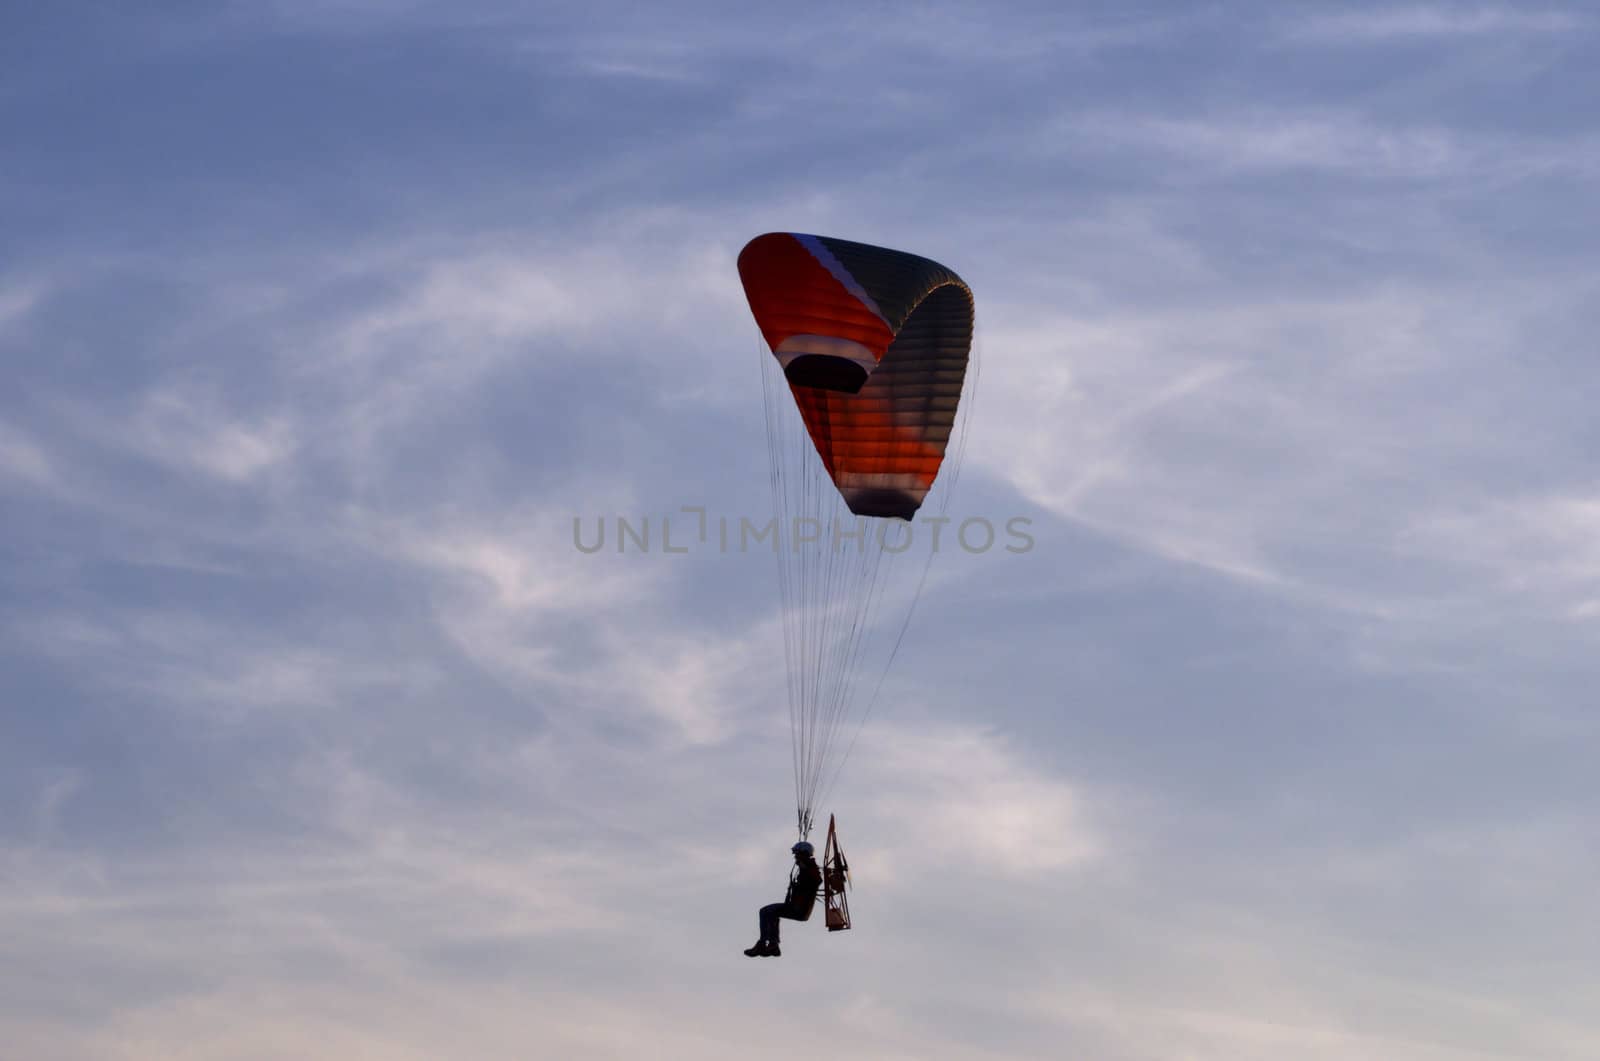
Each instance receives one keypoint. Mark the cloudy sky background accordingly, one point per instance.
(320, 322)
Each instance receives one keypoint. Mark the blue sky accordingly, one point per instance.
(321, 321)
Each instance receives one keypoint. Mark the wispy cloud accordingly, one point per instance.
(21, 458)
(948, 788)
(1334, 143)
(17, 299)
(1430, 21)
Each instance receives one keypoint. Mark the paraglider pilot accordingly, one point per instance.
(804, 881)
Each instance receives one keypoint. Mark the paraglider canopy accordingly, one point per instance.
(874, 344)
